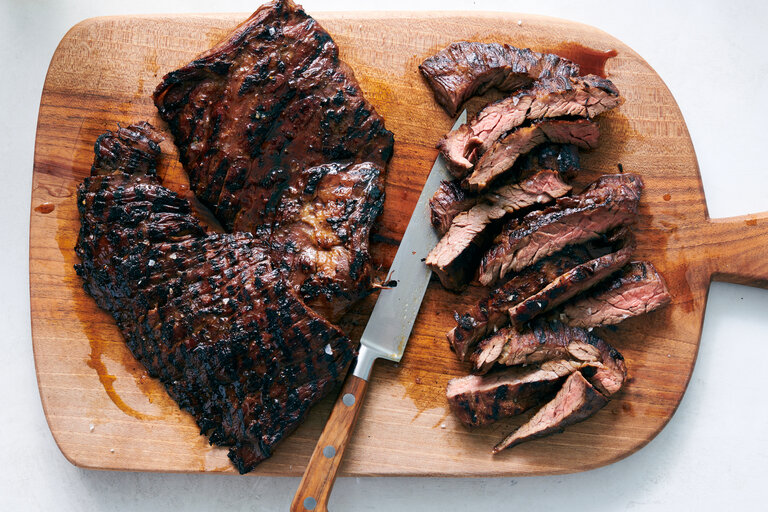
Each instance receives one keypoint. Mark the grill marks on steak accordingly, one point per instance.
(450, 199)
(585, 96)
(459, 250)
(133, 149)
(503, 154)
(268, 103)
(636, 290)
(594, 370)
(464, 69)
(572, 282)
(320, 237)
(545, 340)
(479, 400)
(207, 314)
(609, 202)
(576, 401)
(492, 312)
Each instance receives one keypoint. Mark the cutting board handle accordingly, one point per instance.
(315, 488)
(737, 249)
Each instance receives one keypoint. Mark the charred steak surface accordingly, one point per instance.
(636, 290)
(608, 203)
(585, 97)
(451, 199)
(464, 69)
(269, 102)
(207, 314)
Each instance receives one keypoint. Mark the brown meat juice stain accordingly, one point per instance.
(667, 197)
(425, 394)
(66, 236)
(590, 61)
(44, 208)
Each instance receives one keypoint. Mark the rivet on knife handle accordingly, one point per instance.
(316, 484)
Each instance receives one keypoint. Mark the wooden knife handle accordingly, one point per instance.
(317, 482)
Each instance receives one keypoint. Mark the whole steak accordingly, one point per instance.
(269, 102)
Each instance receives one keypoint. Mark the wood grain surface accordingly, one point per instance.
(105, 412)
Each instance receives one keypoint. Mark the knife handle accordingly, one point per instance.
(316, 484)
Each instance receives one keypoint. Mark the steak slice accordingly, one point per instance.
(456, 256)
(450, 199)
(585, 96)
(447, 202)
(480, 400)
(549, 341)
(636, 290)
(271, 101)
(463, 69)
(207, 314)
(575, 402)
(572, 282)
(502, 155)
(492, 312)
(609, 202)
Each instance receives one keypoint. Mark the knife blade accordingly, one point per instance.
(394, 314)
(385, 336)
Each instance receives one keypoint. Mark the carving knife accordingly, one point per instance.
(385, 336)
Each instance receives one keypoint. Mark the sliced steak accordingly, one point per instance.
(549, 341)
(501, 156)
(636, 290)
(269, 102)
(206, 314)
(586, 96)
(609, 202)
(493, 312)
(447, 202)
(465, 69)
(451, 199)
(571, 283)
(575, 402)
(456, 256)
(480, 400)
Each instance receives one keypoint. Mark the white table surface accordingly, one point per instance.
(714, 451)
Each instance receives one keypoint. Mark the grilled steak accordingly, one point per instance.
(320, 234)
(493, 311)
(134, 149)
(502, 155)
(547, 341)
(457, 254)
(571, 283)
(480, 400)
(609, 202)
(464, 69)
(207, 314)
(585, 96)
(450, 199)
(269, 102)
(575, 402)
(636, 290)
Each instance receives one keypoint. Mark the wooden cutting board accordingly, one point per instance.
(105, 412)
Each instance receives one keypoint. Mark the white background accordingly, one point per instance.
(712, 455)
